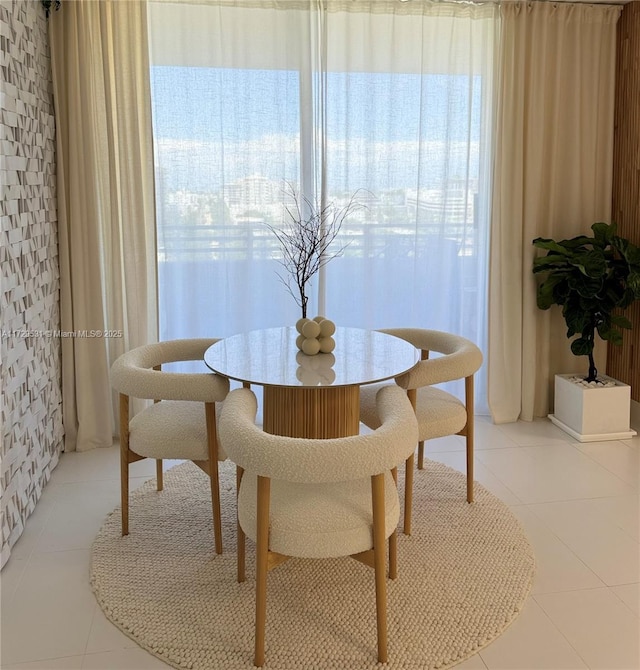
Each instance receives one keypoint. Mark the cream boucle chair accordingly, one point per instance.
(318, 498)
(439, 413)
(180, 424)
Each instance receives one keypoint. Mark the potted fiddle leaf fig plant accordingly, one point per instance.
(593, 279)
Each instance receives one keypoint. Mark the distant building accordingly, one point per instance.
(252, 192)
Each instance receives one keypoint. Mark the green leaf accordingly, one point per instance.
(627, 298)
(581, 346)
(613, 293)
(630, 252)
(575, 318)
(591, 264)
(633, 283)
(544, 297)
(575, 242)
(550, 245)
(561, 292)
(585, 286)
(547, 295)
(611, 335)
(543, 263)
(603, 232)
(621, 321)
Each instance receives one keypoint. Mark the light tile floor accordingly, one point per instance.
(579, 504)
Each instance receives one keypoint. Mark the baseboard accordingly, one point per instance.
(635, 415)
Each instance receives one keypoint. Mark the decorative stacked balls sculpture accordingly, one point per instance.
(315, 336)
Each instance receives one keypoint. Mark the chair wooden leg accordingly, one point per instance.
(159, 475)
(215, 504)
(421, 455)
(124, 462)
(239, 532)
(377, 496)
(469, 431)
(412, 394)
(393, 540)
(408, 494)
(262, 549)
(469, 468)
(393, 555)
(212, 439)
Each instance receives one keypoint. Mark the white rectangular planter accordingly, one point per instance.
(592, 414)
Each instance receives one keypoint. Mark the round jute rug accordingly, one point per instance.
(464, 574)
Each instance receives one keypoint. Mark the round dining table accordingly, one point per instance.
(311, 396)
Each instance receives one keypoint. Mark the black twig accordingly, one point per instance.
(305, 238)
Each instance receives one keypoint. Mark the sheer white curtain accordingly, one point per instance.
(409, 119)
(554, 161)
(229, 81)
(389, 99)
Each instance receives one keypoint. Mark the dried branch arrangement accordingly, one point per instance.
(306, 237)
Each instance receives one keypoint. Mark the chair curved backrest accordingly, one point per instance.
(180, 424)
(133, 373)
(329, 497)
(461, 357)
(318, 460)
(439, 413)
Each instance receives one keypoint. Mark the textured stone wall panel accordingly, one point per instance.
(31, 402)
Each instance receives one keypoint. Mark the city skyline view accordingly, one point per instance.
(248, 122)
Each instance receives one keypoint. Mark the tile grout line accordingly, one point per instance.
(612, 589)
(553, 623)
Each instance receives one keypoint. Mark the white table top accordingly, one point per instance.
(270, 357)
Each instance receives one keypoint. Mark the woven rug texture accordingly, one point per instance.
(464, 575)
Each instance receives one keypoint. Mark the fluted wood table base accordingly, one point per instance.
(312, 411)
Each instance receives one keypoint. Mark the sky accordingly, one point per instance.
(216, 125)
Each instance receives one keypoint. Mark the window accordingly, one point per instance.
(334, 98)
